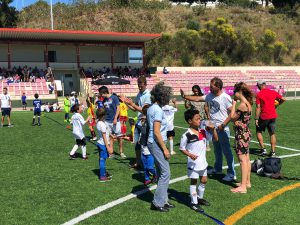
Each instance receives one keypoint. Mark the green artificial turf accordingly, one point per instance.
(40, 185)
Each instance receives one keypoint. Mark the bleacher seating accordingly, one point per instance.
(288, 79)
(15, 90)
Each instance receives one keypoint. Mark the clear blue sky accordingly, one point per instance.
(19, 4)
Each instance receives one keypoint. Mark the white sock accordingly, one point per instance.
(201, 189)
(74, 150)
(83, 148)
(193, 194)
(171, 146)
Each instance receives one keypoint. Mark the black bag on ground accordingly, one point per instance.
(271, 166)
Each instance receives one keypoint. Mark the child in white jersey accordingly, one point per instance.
(169, 112)
(78, 121)
(193, 145)
(103, 144)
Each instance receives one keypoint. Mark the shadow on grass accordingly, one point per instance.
(147, 196)
(255, 151)
(219, 177)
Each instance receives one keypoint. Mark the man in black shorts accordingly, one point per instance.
(265, 115)
(5, 104)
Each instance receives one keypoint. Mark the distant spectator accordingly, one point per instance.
(51, 88)
(23, 99)
(281, 91)
(165, 71)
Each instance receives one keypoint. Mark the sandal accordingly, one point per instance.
(238, 190)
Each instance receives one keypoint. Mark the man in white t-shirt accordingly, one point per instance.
(169, 112)
(143, 98)
(5, 105)
(220, 105)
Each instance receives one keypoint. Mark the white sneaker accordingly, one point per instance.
(213, 171)
(94, 139)
(208, 148)
(123, 156)
(229, 178)
(10, 125)
(173, 153)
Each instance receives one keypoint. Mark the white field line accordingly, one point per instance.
(119, 201)
(277, 146)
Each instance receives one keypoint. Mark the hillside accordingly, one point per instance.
(158, 17)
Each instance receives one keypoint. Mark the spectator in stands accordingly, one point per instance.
(142, 99)
(160, 96)
(165, 71)
(265, 115)
(32, 78)
(281, 91)
(25, 71)
(220, 104)
(51, 88)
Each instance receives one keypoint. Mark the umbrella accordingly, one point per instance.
(111, 80)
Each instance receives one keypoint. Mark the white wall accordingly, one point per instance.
(27, 53)
(3, 53)
(64, 54)
(121, 54)
(95, 53)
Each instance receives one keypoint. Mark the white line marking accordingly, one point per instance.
(119, 201)
(277, 146)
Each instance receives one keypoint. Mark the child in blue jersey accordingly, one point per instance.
(37, 103)
(23, 99)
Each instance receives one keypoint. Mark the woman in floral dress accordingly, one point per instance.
(241, 118)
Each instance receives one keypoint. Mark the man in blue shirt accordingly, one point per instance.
(112, 111)
(37, 103)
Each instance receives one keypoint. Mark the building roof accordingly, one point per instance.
(19, 34)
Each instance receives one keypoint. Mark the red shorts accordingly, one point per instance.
(123, 118)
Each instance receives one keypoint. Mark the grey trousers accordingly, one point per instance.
(163, 174)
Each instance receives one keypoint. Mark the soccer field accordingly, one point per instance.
(40, 185)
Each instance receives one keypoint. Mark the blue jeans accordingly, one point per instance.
(223, 146)
(163, 173)
(137, 148)
(103, 155)
(148, 163)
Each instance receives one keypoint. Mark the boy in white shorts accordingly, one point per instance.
(193, 145)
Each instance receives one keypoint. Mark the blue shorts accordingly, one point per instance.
(24, 103)
(103, 153)
(37, 113)
(5, 111)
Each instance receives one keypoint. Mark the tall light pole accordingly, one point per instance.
(51, 15)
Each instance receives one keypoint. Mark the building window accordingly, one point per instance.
(135, 55)
(52, 56)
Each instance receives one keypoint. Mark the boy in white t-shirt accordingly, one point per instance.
(193, 145)
(5, 105)
(78, 121)
(169, 112)
(103, 144)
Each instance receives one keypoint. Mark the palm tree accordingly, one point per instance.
(8, 14)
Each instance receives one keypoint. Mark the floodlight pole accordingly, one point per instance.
(51, 14)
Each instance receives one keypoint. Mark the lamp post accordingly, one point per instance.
(51, 15)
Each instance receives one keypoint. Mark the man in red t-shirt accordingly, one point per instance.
(265, 115)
